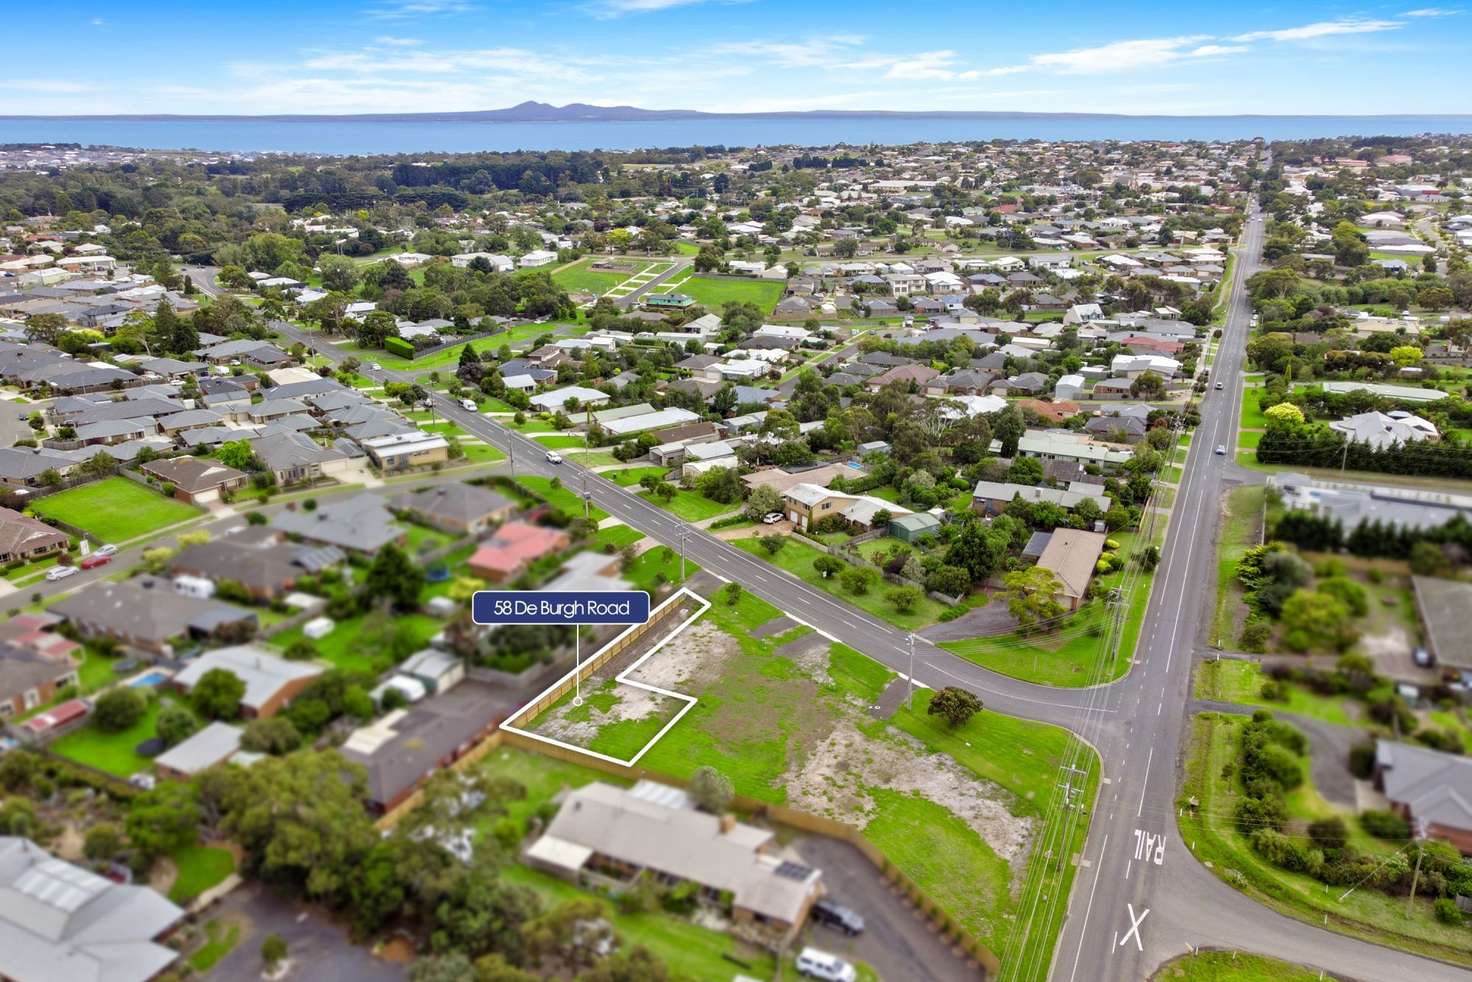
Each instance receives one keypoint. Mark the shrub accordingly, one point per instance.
(1385, 825)
(118, 708)
(1362, 760)
(1329, 833)
(1256, 634)
(398, 346)
(1260, 813)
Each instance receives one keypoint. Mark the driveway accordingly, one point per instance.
(896, 941)
(319, 949)
(1328, 748)
(978, 622)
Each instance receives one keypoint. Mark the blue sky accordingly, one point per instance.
(346, 56)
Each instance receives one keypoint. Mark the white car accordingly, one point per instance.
(1221, 449)
(1218, 385)
(143, 780)
(822, 965)
(60, 573)
(107, 550)
(469, 405)
(553, 457)
(374, 366)
(772, 518)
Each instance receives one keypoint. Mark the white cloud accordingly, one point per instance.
(1121, 56)
(403, 9)
(832, 51)
(47, 86)
(609, 9)
(397, 42)
(1432, 12)
(1320, 29)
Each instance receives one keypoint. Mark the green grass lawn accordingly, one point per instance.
(481, 453)
(200, 868)
(1230, 680)
(1231, 966)
(114, 509)
(564, 499)
(422, 538)
(1211, 835)
(110, 752)
(221, 938)
(657, 562)
(690, 505)
(618, 536)
(1239, 533)
(347, 646)
(629, 476)
(560, 441)
(713, 294)
(579, 278)
(1249, 439)
(1252, 414)
(797, 559)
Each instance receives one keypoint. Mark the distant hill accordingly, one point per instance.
(582, 112)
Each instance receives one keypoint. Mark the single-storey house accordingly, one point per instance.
(23, 538)
(513, 547)
(1071, 554)
(195, 479)
(147, 612)
(271, 682)
(29, 679)
(1429, 788)
(458, 508)
(214, 744)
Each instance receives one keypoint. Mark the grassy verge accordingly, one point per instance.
(564, 499)
(1240, 682)
(1213, 838)
(220, 939)
(1230, 966)
(1239, 533)
(690, 506)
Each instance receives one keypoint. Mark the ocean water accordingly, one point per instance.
(365, 137)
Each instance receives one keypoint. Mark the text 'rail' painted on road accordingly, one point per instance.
(547, 607)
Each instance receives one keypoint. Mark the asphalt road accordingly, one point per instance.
(1127, 915)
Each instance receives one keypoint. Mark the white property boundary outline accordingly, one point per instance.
(622, 679)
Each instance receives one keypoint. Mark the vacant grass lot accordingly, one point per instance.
(713, 294)
(564, 499)
(1213, 838)
(691, 506)
(114, 509)
(797, 558)
(579, 278)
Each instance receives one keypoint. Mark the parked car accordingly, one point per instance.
(772, 518)
(60, 573)
(107, 550)
(469, 405)
(834, 914)
(553, 457)
(1423, 658)
(822, 965)
(142, 780)
(95, 560)
(1221, 449)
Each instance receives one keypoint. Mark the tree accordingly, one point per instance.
(1147, 385)
(762, 501)
(164, 819)
(772, 544)
(395, 578)
(175, 724)
(103, 842)
(300, 819)
(237, 454)
(45, 328)
(1285, 414)
(711, 790)
(1429, 559)
(1008, 426)
(217, 694)
(1316, 620)
(274, 735)
(273, 951)
(826, 566)
(339, 274)
(1032, 597)
(904, 599)
(118, 708)
(955, 705)
(858, 579)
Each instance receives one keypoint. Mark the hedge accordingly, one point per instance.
(398, 346)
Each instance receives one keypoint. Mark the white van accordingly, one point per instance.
(821, 965)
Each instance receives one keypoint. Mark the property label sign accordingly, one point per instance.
(547, 607)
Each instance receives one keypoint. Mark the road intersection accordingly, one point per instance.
(1140, 897)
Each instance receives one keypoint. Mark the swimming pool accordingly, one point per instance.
(149, 679)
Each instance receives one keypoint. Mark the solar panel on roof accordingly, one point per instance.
(794, 871)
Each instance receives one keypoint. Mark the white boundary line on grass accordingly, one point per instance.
(623, 679)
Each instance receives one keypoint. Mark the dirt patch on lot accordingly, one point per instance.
(696, 655)
(835, 780)
(607, 704)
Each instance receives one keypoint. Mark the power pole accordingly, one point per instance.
(587, 498)
(1420, 850)
(684, 532)
(910, 694)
